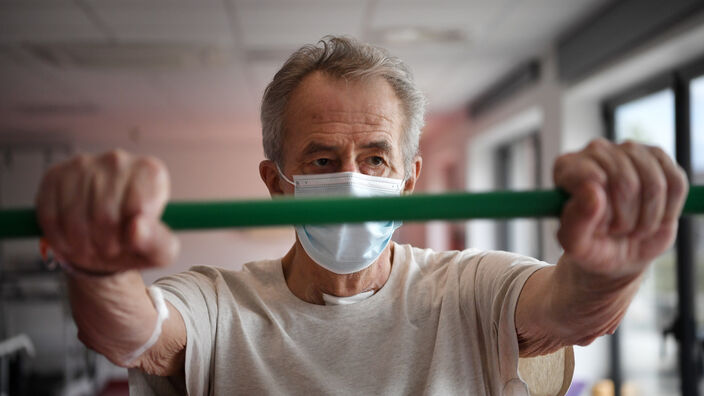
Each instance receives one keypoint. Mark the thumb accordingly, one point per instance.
(580, 219)
(152, 241)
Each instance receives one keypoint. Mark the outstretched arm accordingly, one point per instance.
(623, 212)
(101, 214)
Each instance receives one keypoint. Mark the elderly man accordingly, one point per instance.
(347, 311)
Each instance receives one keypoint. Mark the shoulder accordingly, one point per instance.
(209, 279)
(464, 265)
(429, 260)
(253, 269)
(430, 257)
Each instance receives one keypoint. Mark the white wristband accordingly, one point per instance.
(162, 314)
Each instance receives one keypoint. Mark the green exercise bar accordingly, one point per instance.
(21, 223)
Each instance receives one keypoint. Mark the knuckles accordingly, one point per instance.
(629, 184)
(562, 163)
(654, 189)
(630, 145)
(627, 187)
(152, 168)
(679, 186)
(563, 159)
(84, 202)
(658, 152)
(109, 168)
(80, 161)
(114, 159)
(598, 144)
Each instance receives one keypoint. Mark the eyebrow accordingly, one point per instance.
(313, 148)
(381, 145)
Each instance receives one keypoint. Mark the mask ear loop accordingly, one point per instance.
(284, 176)
(403, 186)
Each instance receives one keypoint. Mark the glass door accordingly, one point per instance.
(696, 92)
(649, 359)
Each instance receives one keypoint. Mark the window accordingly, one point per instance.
(648, 357)
(696, 90)
(518, 168)
(656, 349)
(650, 120)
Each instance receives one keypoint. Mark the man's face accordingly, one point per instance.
(336, 126)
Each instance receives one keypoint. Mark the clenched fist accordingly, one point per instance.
(102, 213)
(624, 206)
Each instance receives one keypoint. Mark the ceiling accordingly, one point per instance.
(184, 71)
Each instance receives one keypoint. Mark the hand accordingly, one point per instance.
(624, 206)
(102, 213)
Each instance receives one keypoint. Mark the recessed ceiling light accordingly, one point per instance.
(409, 35)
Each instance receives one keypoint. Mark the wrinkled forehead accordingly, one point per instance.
(320, 98)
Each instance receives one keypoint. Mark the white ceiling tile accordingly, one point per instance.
(173, 21)
(221, 101)
(267, 24)
(429, 53)
(44, 21)
(467, 15)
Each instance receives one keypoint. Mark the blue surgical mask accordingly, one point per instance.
(345, 248)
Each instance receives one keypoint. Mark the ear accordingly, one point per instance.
(414, 175)
(270, 176)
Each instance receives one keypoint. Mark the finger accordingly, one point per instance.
(572, 169)
(653, 245)
(147, 190)
(152, 241)
(106, 197)
(73, 211)
(580, 220)
(653, 188)
(623, 185)
(48, 211)
(677, 185)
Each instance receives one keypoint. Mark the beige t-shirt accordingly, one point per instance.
(443, 324)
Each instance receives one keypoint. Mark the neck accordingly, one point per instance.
(308, 281)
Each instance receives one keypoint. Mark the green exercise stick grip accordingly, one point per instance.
(21, 223)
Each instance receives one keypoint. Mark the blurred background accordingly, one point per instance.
(511, 84)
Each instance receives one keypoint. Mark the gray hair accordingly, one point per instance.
(344, 58)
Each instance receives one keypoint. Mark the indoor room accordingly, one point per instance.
(504, 130)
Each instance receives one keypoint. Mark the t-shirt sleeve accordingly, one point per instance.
(194, 295)
(492, 284)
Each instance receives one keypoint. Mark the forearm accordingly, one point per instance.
(563, 305)
(115, 316)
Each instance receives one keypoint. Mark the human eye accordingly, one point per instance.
(321, 162)
(375, 160)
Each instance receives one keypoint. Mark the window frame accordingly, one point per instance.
(690, 347)
(501, 180)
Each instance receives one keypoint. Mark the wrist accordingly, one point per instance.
(52, 260)
(587, 304)
(77, 272)
(115, 314)
(593, 283)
